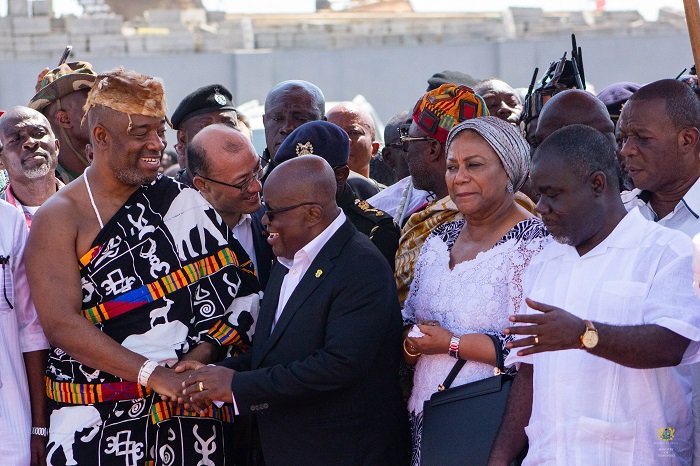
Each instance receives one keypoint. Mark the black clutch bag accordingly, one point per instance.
(460, 424)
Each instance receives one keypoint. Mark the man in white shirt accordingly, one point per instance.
(23, 352)
(321, 377)
(610, 310)
(659, 130)
(227, 172)
(29, 152)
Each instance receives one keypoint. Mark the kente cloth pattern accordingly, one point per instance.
(440, 109)
(164, 274)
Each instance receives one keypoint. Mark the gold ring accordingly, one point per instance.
(201, 386)
(537, 342)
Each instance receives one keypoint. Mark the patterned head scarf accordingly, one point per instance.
(128, 92)
(440, 109)
(505, 140)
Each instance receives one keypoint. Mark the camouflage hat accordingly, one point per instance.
(61, 81)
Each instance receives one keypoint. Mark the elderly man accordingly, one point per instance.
(501, 100)
(330, 142)
(359, 125)
(401, 199)
(659, 129)
(321, 377)
(227, 172)
(60, 96)
(205, 106)
(132, 272)
(22, 353)
(610, 310)
(29, 152)
(289, 105)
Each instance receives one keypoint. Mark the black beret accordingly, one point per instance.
(319, 137)
(212, 98)
(615, 95)
(450, 77)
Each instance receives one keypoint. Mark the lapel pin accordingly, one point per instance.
(319, 272)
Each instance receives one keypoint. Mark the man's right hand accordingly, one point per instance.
(167, 383)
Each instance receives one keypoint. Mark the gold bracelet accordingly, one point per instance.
(405, 350)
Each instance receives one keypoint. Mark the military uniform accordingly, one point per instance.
(375, 223)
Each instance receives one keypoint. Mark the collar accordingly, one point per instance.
(313, 247)
(628, 234)
(691, 200)
(244, 218)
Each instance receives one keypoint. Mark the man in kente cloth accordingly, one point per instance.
(132, 272)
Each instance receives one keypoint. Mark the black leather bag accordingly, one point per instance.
(460, 424)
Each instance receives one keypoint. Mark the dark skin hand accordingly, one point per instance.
(35, 363)
(215, 380)
(638, 346)
(555, 329)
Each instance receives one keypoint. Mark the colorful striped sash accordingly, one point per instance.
(87, 393)
(163, 286)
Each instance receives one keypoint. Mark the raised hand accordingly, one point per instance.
(555, 329)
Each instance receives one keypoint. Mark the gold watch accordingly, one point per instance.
(589, 339)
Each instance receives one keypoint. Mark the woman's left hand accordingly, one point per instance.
(435, 341)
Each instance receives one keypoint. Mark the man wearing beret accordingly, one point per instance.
(331, 142)
(60, 95)
(206, 106)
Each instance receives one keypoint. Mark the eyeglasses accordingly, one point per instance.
(406, 140)
(242, 186)
(272, 212)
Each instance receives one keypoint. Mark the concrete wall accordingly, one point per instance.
(391, 78)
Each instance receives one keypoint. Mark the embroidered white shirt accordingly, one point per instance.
(389, 199)
(589, 410)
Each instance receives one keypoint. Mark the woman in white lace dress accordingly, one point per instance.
(468, 275)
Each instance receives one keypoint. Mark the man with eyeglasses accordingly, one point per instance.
(227, 172)
(401, 199)
(321, 377)
(205, 106)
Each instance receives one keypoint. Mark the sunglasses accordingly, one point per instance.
(272, 212)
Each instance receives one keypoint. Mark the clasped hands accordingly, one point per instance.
(552, 330)
(193, 385)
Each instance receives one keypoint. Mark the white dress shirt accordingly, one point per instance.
(243, 231)
(587, 410)
(20, 332)
(301, 262)
(685, 217)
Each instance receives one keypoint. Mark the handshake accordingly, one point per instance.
(192, 384)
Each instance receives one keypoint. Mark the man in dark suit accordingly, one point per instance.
(226, 171)
(322, 376)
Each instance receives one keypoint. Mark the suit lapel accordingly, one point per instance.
(318, 272)
(267, 312)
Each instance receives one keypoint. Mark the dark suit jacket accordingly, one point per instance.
(263, 251)
(324, 384)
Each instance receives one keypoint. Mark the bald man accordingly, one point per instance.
(322, 375)
(227, 172)
(573, 107)
(29, 152)
(501, 99)
(289, 105)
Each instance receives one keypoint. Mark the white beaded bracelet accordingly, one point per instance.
(40, 431)
(146, 371)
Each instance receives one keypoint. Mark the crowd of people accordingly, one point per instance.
(300, 306)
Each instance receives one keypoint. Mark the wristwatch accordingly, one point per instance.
(589, 338)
